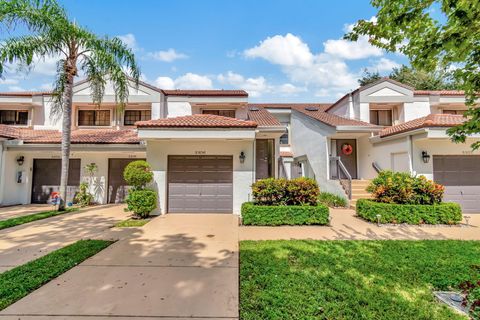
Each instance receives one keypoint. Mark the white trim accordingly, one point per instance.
(194, 134)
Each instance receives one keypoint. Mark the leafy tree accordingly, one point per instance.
(453, 40)
(419, 79)
(52, 33)
(369, 77)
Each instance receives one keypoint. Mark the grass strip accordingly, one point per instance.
(22, 280)
(132, 223)
(32, 217)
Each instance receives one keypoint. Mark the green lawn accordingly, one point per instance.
(20, 281)
(32, 217)
(132, 223)
(352, 279)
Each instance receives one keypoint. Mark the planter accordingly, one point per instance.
(256, 215)
(443, 213)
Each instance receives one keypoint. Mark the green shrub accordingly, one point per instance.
(442, 213)
(138, 174)
(280, 192)
(403, 188)
(471, 290)
(142, 202)
(83, 197)
(284, 215)
(332, 200)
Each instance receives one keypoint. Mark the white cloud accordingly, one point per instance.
(8, 81)
(169, 55)
(187, 81)
(16, 88)
(130, 40)
(166, 83)
(290, 89)
(384, 65)
(46, 86)
(349, 50)
(288, 50)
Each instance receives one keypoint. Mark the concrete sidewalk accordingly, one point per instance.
(32, 240)
(175, 267)
(345, 226)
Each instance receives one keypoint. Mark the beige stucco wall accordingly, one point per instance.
(437, 147)
(20, 193)
(243, 173)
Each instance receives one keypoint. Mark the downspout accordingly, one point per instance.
(410, 155)
(351, 111)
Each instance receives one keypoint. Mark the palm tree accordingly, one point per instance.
(52, 33)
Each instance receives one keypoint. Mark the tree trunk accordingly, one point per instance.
(66, 137)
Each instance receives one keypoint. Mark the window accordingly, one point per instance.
(132, 116)
(284, 137)
(14, 117)
(94, 118)
(223, 113)
(381, 117)
(460, 112)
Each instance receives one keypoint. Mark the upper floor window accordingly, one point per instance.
(284, 137)
(132, 116)
(94, 117)
(381, 117)
(223, 113)
(461, 112)
(14, 117)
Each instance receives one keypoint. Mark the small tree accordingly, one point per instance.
(140, 200)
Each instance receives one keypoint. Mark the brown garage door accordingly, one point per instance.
(200, 184)
(46, 179)
(117, 186)
(461, 177)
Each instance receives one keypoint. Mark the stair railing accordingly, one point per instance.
(342, 175)
(376, 167)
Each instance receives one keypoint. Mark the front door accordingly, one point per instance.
(264, 158)
(347, 151)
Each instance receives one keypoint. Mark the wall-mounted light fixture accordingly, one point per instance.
(20, 160)
(242, 157)
(425, 157)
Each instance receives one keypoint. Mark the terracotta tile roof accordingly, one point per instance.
(439, 92)
(432, 120)
(197, 121)
(331, 119)
(207, 93)
(80, 136)
(286, 154)
(8, 132)
(262, 117)
(321, 106)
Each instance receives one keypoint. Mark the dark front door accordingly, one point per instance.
(46, 179)
(200, 184)
(264, 158)
(117, 186)
(461, 177)
(347, 151)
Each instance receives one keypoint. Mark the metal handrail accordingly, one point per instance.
(376, 167)
(346, 183)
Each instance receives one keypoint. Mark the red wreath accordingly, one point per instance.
(347, 149)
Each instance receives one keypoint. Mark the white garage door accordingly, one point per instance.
(461, 177)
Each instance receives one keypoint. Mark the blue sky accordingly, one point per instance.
(277, 50)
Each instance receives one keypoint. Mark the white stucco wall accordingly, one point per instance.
(243, 173)
(310, 140)
(415, 110)
(20, 193)
(382, 153)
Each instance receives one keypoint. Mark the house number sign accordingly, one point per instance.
(200, 152)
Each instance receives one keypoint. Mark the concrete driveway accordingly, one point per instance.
(175, 267)
(23, 210)
(29, 241)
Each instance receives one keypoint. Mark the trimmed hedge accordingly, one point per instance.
(284, 215)
(443, 213)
